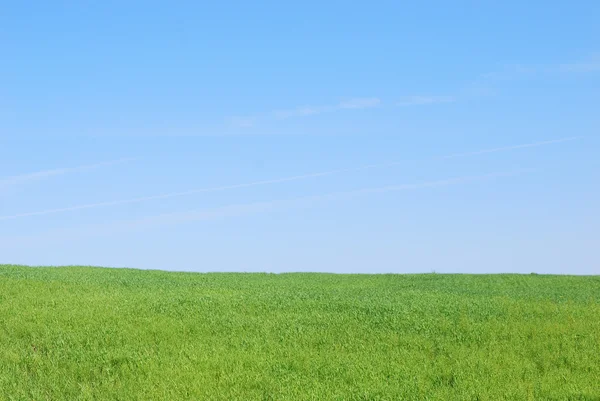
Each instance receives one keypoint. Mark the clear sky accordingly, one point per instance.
(301, 136)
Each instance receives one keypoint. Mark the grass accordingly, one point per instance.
(80, 333)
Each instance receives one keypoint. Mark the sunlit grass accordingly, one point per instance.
(80, 333)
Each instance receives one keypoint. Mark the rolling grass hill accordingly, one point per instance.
(80, 333)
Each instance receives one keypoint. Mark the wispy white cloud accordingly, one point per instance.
(514, 71)
(17, 179)
(348, 104)
(483, 85)
(514, 147)
(274, 181)
(241, 209)
(359, 103)
(423, 100)
(354, 103)
(257, 207)
(510, 71)
(243, 122)
(304, 111)
(590, 65)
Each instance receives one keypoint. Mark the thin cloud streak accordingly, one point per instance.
(581, 67)
(359, 103)
(354, 104)
(507, 148)
(488, 84)
(59, 171)
(512, 71)
(278, 180)
(243, 122)
(424, 100)
(250, 208)
(304, 111)
(240, 209)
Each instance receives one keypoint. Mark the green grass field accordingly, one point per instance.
(79, 333)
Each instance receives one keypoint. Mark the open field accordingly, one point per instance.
(78, 333)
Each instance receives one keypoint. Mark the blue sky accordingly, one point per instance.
(312, 136)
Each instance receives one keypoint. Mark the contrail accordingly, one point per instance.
(236, 209)
(526, 145)
(59, 171)
(273, 181)
(242, 209)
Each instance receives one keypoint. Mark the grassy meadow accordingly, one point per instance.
(81, 333)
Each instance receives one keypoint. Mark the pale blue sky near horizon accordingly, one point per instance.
(342, 137)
